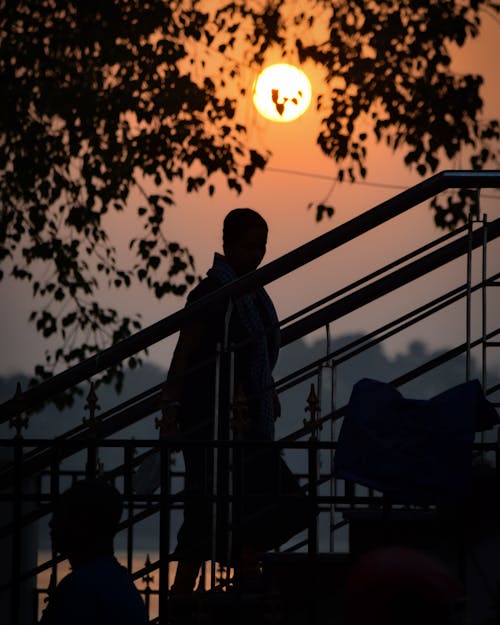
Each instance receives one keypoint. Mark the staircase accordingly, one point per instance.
(305, 579)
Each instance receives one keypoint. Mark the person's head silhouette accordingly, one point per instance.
(244, 238)
(85, 521)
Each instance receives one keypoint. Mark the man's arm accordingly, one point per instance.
(188, 342)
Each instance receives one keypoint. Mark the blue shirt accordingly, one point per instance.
(100, 592)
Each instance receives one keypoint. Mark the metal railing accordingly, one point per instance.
(278, 268)
(44, 457)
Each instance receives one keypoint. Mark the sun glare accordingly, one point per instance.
(282, 92)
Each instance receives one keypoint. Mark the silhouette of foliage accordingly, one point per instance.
(102, 99)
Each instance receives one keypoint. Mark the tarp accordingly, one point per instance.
(416, 451)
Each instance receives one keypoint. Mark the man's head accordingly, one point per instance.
(244, 239)
(86, 518)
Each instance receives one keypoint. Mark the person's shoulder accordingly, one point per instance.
(106, 568)
(109, 585)
(98, 592)
(93, 574)
(72, 601)
(74, 581)
(207, 286)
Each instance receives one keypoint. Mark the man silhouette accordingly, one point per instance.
(98, 590)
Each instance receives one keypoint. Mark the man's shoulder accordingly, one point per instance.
(95, 574)
(208, 285)
(102, 587)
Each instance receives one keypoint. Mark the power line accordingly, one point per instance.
(306, 174)
(382, 185)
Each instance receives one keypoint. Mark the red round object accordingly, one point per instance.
(393, 585)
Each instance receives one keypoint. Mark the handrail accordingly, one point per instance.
(343, 306)
(365, 341)
(145, 403)
(374, 274)
(271, 271)
(388, 283)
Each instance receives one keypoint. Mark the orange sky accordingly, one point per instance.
(282, 199)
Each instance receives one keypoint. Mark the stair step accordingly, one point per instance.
(224, 608)
(297, 589)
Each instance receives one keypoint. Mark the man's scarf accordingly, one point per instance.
(261, 323)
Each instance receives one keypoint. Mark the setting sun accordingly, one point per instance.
(282, 92)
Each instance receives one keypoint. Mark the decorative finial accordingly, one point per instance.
(313, 407)
(92, 406)
(148, 579)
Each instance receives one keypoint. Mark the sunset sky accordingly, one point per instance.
(297, 174)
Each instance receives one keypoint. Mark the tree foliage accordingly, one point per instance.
(105, 98)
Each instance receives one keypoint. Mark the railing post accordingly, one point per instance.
(91, 464)
(331, 365)
(231, 458)
(165, 501)
(221, 431)
(484, 329)
(129, 505)
(468, 299)
(55, 488)
(16, 534)
(215, 465)
(18, 422)
(91, 469)
(313, 407)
